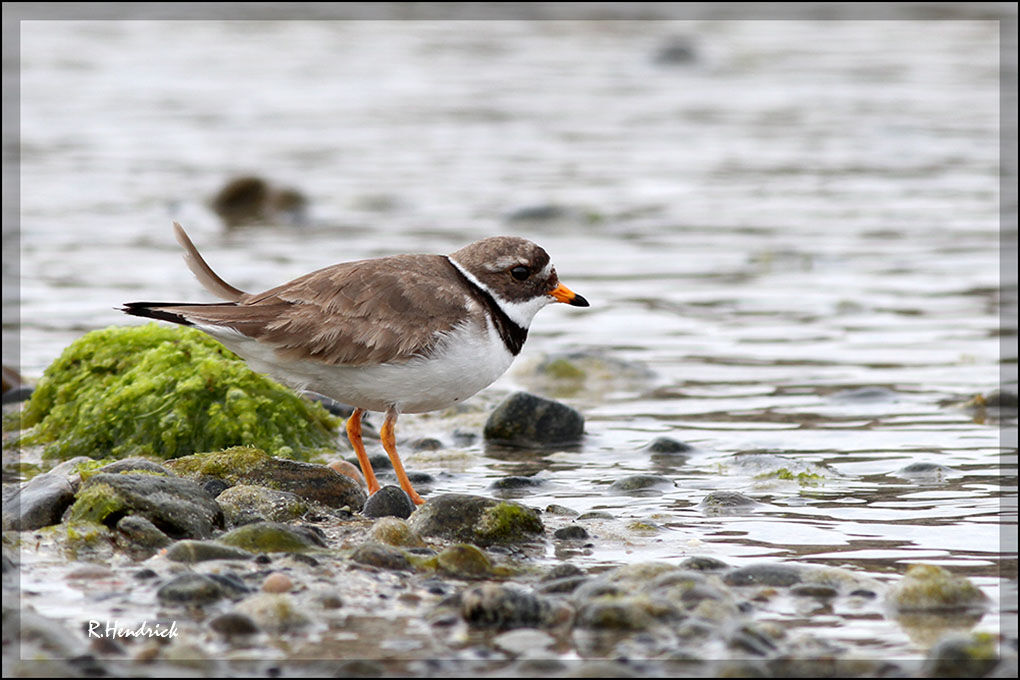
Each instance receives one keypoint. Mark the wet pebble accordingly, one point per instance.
(703, 563)
(567, 584)
(640, 484)
(395, 531)
(925, 472)
(381, 556)
(233, 624)
(571, 532)
(142, 533)
(250, 199)
(962, 655)
(764, 574)
(37, 503)
(526, 642)
(815, 591)
(277, 582)
(555, 509)
(273, 537)
(192, 589)
(594, 514)
(389, 501)
(425, 444)
(503, 607)
(348, 469)
(273, 612)
(667, 446)
(516, 482)
(677, 51)
(524, 419)
(464, 561)
(135, 464)
(928, 587)
(190, 552)
(180, 508)
(475, 519)
(726, 503)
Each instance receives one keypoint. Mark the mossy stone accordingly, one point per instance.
(165, 392)
(268, 537)
(474, 519)
(928, 587)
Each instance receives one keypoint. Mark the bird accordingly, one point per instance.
(396, 334)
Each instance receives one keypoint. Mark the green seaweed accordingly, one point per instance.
(165, 392)
(802, 478)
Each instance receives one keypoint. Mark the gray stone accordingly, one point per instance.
(39, 502)
(474, 519)
(524, 419)
(389, 501)
(201, 551)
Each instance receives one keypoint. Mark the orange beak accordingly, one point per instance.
(564, 294)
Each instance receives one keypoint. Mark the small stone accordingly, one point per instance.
(37, 503)
(273, 612)
(640, 484)
(474, 519)
(524, 419)
(200, 551)
(389, 501)
(963, 655)
(677, 51)
(927, 587)
(134, 465)
(464, 561)
(767, 574)
(817, 592)
(571, 532)
(395, 531)
(516, 482)
(503, 607)
(350, 469)
(234, 624)
(617, 614)
(381, 556)
(246, 503)
(666, 445)
(726, 503)
(564, 585)
(563, 570)
(426, 444)
(273, 537)
(192, 589)
(702, 563)
(594, 514)
(563, 510)
(144, 574)
(277, 582)
(141, 532)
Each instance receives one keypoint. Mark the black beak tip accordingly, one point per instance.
(579, 301)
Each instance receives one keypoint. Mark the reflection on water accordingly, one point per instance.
(788, 237)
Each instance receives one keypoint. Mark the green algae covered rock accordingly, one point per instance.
(928, 587)
(165, 392)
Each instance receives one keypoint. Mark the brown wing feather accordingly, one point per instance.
(371, 311)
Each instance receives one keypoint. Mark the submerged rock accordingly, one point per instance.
(244, 504)
(395, 531)
(524, 419)
(640, 484)
(381, 556)
(464, 561)
(180, 508)
(726, 503)
(474, 519)
(765, 574)
(165, 392)
(927, 587)
(249, 200)
(962, 655)
(191, 589)
(243, 465)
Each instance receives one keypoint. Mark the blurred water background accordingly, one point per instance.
(788, 231)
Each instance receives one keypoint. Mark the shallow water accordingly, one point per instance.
(791, 239)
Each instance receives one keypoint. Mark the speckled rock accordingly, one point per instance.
(473, 519)
(703, 563)
(39, 502)
(503, 607)
(389, 501)
(272, 537)
(524, 419)
(571, 532)
(927, 587)
(180, 508)
(233, 624)
(201, 551)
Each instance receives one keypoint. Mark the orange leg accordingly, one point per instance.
(389, 442)
(354, 435)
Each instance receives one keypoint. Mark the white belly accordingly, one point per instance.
(465, 362)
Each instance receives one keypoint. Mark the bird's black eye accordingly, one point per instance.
(520, 272)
